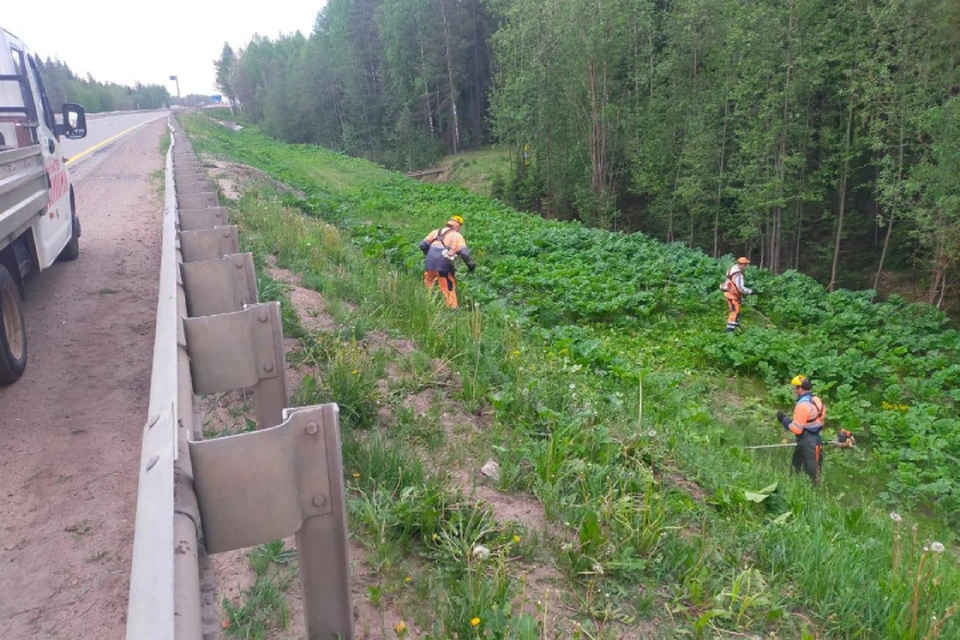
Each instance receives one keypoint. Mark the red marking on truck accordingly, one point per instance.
(59, 185)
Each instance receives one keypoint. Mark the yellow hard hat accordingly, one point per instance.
(799, 380)
(457, 219)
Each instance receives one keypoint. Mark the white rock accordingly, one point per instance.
(491, 469)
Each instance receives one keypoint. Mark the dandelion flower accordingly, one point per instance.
(407, 579)
(516, 539)
(937, 547)
(572, 386)
(652, 433)
(354, 372)
(475, 622)
(896, 517)
(481, 552)
(400, 628)
(355, 475)
(435, 537)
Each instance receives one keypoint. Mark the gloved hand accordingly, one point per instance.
(783, 419)
(471, 268)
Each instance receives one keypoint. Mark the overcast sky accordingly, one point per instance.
(127, 41)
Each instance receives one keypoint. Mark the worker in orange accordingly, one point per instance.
(442, 246)
(734, 289)
(806, 425)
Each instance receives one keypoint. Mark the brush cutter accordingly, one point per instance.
(844, 440)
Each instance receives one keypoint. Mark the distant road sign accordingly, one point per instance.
(216, 98)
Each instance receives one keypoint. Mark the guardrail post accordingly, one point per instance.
(264, 485)
(197, 200)
(219, 286)
(240, 350)
(196, 219)
(209, 244)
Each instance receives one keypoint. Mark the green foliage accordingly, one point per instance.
(63, 85)
(865, 356)
(264, 606)
(395, 80)
(643, 482)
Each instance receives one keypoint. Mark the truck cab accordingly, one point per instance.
(38, 216)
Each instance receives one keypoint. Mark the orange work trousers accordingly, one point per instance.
(733, 319)
(448, 285)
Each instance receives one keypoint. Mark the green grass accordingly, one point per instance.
(263, 607)
(165, 142)
(574, 426)
(476, 170)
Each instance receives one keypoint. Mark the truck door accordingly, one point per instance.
(53, 230)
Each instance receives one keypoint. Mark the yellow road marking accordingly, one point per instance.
(90, 150)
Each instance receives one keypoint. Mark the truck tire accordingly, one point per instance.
(13, 334)
(72, 250)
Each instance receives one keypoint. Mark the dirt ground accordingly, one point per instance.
(70, 428)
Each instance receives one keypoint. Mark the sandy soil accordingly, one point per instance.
(70, 428)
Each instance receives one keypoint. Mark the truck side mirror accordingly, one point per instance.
(74, 124)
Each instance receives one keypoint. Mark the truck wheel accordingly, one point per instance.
(13, 335)
(72, 250)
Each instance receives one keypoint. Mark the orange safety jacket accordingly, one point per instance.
(442, 246)
(808, 416)
(733, 285)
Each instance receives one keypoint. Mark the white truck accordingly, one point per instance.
(38, 216)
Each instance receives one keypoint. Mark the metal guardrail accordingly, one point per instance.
(197, 497)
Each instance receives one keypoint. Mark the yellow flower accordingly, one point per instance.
(407, 579)
(435, 537)
(516, 539)
(354, 372)
(475, 621)
(356, 475)
(516, 353)
(401, 629)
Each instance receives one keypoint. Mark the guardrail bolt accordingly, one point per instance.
(238, 264)
(312, 428)
(319, 500)
(263, 316)
(268, 367)
(226, 234)
(151, 462)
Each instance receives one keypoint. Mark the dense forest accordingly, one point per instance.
(820, 135)
(63, 85)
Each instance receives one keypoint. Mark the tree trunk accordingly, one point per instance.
(775, 235)
(843, 197)
(479, 56)
(893, 207)
(426, 92)
(941, 264)
(723, 158)
(450, 79)
(798, 215)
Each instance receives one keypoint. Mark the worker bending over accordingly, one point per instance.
(442, 246)
(734, 289)
(806, 425)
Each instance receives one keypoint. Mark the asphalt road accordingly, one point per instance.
(102, 132)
